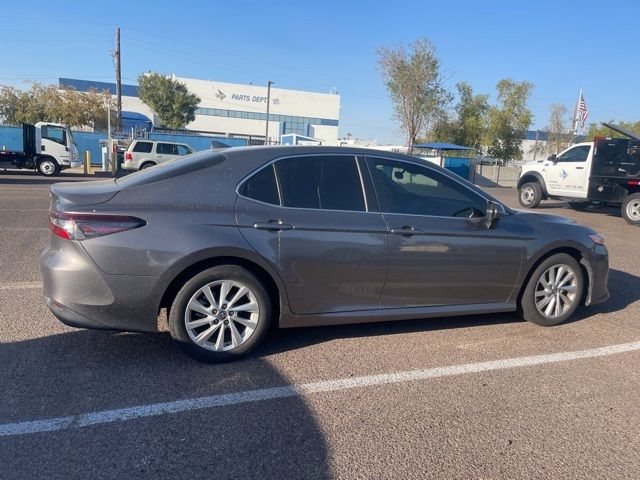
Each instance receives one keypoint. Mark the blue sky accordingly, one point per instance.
(559, 46)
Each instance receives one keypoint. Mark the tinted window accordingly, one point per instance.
(407, 188)
(184, 150)
(576, 154)
(262, 186)
(322, 182)
(166, 149)
(143, 147)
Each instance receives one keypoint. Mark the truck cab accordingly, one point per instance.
(605, 171)
(56, 141)
(564, 175)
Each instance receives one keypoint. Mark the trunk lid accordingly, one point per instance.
(72, 194)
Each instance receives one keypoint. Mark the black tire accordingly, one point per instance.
(178, 313)
(530, 195)
(631, 209)
(528, 308)
(48, 167)
(147, 165)
(579, 206)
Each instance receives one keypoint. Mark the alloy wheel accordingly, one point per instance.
(555, 291)
(222, 315)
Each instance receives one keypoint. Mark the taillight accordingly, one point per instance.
(82, 226)
(128, 156)
(634, 183)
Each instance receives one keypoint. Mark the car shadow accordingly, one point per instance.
(595, 209)
(623, 288)
(87, 371)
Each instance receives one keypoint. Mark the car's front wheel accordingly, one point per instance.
(48, 167)
(554, 291)
(530, 195)
(220, 314)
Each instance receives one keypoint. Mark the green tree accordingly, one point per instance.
(47, 103)
(415, 84)
(596, 130)
(468, 124)
(169, 98)
(509, 119)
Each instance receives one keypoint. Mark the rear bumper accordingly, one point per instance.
(79, 294)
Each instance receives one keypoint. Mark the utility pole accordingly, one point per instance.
(116, 55)
(266, 132)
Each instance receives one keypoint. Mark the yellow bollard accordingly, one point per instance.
(86, 162)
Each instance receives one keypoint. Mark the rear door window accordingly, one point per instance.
(326, 182)
(166, 149)
(143, 147)
(262, 186)
(184, 150)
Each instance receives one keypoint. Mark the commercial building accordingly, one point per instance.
(236, 109)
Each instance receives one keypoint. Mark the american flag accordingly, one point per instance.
(583, 113)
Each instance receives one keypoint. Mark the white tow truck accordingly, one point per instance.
(46, 147)
(604, 172)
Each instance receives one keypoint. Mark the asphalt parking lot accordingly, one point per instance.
(362, 416)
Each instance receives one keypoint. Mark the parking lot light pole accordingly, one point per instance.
(266, 132)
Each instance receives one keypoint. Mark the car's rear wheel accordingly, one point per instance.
(554, 291)
(220, 314)
(631, 209)
(147, 165)
(530, 195)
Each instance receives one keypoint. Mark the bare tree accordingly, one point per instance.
(414, 81)
(558, 136)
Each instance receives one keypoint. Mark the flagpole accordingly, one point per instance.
(574, 122)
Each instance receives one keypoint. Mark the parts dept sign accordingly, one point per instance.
(246, 98)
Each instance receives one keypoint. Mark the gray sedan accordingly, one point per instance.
(231, 242)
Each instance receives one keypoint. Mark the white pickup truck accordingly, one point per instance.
(605, 171)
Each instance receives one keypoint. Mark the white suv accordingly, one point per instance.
(147, 153)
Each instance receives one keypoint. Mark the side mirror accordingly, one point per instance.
(493, 214)
(553, 158)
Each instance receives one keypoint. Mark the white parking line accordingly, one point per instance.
(142, 411)
(20, 286)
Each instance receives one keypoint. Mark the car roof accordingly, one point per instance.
(277, 151)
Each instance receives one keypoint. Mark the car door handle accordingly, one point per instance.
(273, 225)
(579, 168)
(405, 230)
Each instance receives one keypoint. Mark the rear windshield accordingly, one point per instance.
(172, 168)
(143, 147)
